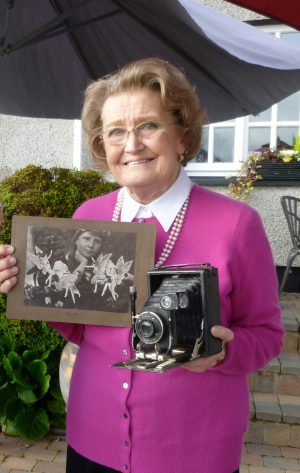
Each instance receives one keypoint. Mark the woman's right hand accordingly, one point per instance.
(8, 268)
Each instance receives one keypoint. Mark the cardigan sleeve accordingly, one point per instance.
(256, 317)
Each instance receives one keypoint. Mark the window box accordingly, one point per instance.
(272, 171)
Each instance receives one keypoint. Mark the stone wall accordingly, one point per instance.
(26, 141)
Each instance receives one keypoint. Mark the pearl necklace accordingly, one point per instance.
(174, 233)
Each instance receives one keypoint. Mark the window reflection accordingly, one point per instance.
(287, 134)
(202, 156)
(258, 137)
(289, 108)
(264, 116)
(224, 144)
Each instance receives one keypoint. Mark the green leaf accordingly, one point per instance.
(22, 379)
(33, 424)
(15, 360)
(55, 390)
(9, 428)
(58, 421)
(37, 369)
(7, 392)
(44, 385)
(56, 407)
(46, 353)
(26, 395)
(7, 366)
(13, 408)
(30, 355)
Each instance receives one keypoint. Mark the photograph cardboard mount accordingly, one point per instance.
(64, 278)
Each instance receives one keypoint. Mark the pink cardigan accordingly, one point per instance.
(179, 421)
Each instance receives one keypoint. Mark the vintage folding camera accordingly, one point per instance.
(175, 323)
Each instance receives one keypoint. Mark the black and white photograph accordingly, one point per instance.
(78, 269)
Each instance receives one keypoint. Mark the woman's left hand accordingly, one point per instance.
(204, 363)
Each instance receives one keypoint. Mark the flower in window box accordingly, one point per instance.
(288, 155)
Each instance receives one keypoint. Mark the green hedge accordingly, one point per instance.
(36, 191)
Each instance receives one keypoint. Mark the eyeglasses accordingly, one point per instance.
(145, 130)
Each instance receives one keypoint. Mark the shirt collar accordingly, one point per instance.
(165, 208)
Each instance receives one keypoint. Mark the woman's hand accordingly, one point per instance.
(202, 364)
(8, 268)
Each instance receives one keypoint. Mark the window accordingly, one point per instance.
(225, 144)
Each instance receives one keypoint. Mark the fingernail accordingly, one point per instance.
(12, 260)
(10, 249)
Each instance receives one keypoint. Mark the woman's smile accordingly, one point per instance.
(146, 165)
(134, 162)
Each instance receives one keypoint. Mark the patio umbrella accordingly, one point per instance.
(51, 49)
(287, 11)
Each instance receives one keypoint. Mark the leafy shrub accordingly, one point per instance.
(30, 397)
(30, 350)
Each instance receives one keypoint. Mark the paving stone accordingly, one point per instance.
(12, 449)
(263, 469)
(290, 323)
(267, 407)
(60, 457)
(252, 459)
(290, 363)
(295, 436)
(291, 452)
(289, 384)
(278, 434)
(271, 450)
(273, 366)
(19, 463)
(252, 408)
(251, 379)
(266, 382)
(244, 469)
(5, 470)
(281, 462)
(18, 471)
(255, 432)
(290, 406)
(290, 342)
(40, 453)
(58, 444)
(46, 467)
(43, 443)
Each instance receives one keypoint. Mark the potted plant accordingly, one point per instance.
(281, 163)
(270, 164)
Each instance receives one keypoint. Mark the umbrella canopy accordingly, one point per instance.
(51, 49)
(287, 11)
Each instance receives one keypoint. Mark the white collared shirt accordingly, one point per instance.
(165, 208)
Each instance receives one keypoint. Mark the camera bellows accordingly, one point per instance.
(175, 323)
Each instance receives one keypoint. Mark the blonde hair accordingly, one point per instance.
(178, 97)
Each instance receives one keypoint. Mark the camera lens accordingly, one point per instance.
(149, 327)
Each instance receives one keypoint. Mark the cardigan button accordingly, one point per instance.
(125, 385)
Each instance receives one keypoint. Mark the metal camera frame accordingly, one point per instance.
(160, 362)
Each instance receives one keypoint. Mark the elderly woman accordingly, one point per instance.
(144, 122)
